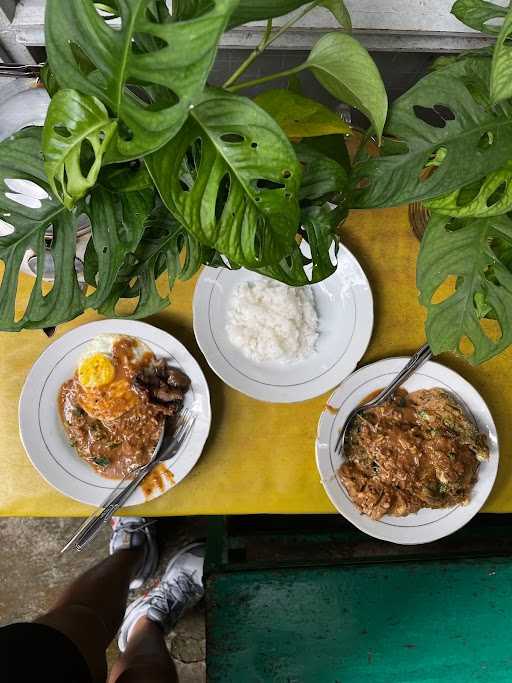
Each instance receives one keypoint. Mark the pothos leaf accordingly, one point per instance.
(478, 14)
(164, 241)
(466, 249)
(344, 67)
(76, 135)
(447, 112)
(309, 260)
(255, 10)
(490, 197)
(299, 116)
(232, 178)
(27, 211)
(75, 32)
(339, 11)
(501, 70)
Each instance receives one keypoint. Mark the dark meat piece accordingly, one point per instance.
(179, 379)
(164, 387)
(167, 394)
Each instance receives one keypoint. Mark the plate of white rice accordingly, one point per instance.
(283, 344)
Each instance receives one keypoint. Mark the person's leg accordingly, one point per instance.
(91, 609)
(145, 657)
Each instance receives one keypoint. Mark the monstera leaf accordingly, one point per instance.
(106, 62)
(231, 178)
(31, 218)
(309, 260)
(446, 120)
(490, 197)
(466, 249)
(165, 246)
(321, 175)
(344, 67)
(299, 116)
(27, 211)
(77, 132)
(118, 221)
(501, 71)
(479, 14)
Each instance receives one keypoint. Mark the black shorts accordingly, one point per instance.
(36, 652)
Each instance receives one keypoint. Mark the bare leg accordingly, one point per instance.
(146, 658)
(91, 609)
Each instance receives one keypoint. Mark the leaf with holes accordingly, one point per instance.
(479, 14)
(118, 220)
(344, 67)
(299, 116)
(126, 177)
(321, 175)
(339, 11)
(76, 135)
(501, 71)
(165, 246)
(490, 197)
(465, 249)
(118, 69)
(309, 260)
(231, 178)
(27, 211)
(445, 115)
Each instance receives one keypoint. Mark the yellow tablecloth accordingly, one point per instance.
(260, 457)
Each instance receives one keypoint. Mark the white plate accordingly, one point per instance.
(426, 525)
(42, 433)
(345, 310)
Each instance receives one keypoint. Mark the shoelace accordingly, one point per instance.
(132, 528)
(169, 599)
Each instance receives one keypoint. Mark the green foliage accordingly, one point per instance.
(148, 91)
(447, 110)
(346, 70)
(76, 135)
(501, 71)
(231, 178)
(339, 10)
(490, 196)
(466, 249)
(299, 116)
(479, 14)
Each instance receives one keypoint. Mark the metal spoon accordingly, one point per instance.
(420, 358)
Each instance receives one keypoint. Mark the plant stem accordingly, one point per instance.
(265, 79)
(267, 40)
(250, 59)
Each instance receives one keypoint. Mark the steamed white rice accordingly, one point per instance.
(268, 320)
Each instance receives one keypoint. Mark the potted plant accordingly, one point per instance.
(448, 144)
(170, 172)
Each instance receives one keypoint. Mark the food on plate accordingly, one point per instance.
(267, 320)
(416, 450)
(115, 406)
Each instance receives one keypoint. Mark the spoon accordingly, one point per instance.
(420, 358)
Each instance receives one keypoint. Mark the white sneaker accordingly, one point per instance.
(136, 532)
(180, 588)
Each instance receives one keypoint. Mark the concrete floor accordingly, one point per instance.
(32, 573)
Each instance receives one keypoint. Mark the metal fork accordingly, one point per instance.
(420, 357)
(90, 527)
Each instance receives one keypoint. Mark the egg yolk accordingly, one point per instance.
(96, 371)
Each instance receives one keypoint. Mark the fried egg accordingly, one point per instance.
(105, 375)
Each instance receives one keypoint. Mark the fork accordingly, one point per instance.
(420, 357)
(91, 526)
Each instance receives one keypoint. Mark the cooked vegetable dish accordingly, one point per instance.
(417, 450)
(114, 408)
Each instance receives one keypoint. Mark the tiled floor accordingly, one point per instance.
(32, 573)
